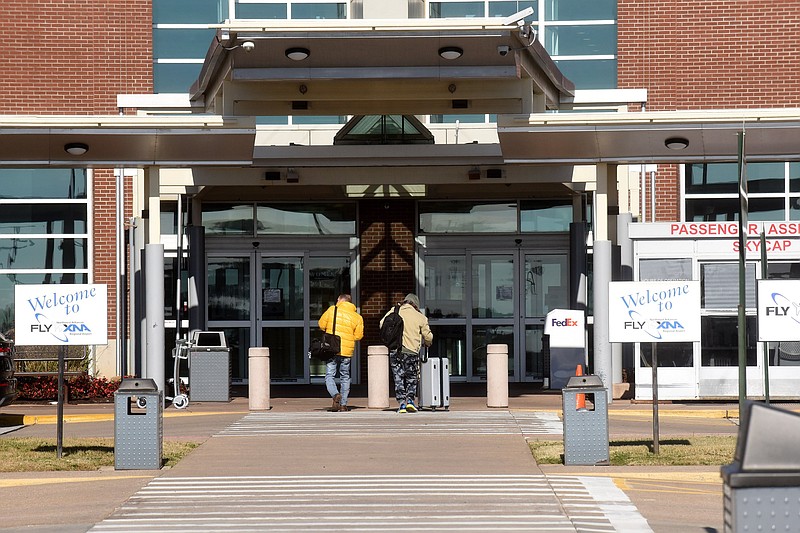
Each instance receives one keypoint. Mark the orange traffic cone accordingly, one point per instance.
(580, 398)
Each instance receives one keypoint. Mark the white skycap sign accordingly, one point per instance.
(57, 315)
(778, 310)
(566, 327)
(654, 311)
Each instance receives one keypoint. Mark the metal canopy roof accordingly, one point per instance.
(360, 67)
(118, 140)
(771, 134)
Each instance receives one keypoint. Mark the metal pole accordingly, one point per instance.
(60, 409)
(655, 397)
(742, 278)
(122, 356)
(765, 347)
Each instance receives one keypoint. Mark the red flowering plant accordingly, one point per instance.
(81, 387)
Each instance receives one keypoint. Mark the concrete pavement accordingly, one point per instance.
(281, 454)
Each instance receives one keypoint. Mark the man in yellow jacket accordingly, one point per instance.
(349, 328)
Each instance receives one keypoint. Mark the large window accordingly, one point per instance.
(711, 192)
(44, 233)
(280, 219)
(497, 216)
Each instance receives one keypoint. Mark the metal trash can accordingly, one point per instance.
(209, 367)
(585, 409)
(761, 487)
(138, 425)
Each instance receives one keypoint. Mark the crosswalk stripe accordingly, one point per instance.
(387, 422)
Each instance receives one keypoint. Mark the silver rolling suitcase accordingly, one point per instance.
(435, 383)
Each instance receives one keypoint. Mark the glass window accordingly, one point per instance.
(43, 253)
(45, 183)
(794, 177)
(228, 219)
(174, 77)
(181, 43)
(482, 336)
(720, 178)
(445, 286)
(307, 219)
(319, 11)
(282, 288)
(546, 215)
(718, 345)
(580, 9)
(170, 286)
(462, 118)
(665, 269)
(43, 218)
(534, 351)
(328, 278)
(590, 73)
(467, 217)
(189, 11)
(546, 284)
(319, 119)
(506, 8)
(228, 288)
(261, 11)
(727, 209)
(719, 284)
(287, 341)
(581, 40)
(439, 10)
(492, 286)
(450, 341)
(169, 218)
(783, 271)
(670, 354)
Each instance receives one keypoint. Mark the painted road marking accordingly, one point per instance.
(25, 482)
(376, 503)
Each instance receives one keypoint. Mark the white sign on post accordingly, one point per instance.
(566, 327)
(58, 315)
(654, 311)
(778, 310)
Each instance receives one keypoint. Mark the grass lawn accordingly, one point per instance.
(39, 455)
(673, 451)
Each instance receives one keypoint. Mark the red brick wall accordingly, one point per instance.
(75, 63)
(721, 54)
(387, 260)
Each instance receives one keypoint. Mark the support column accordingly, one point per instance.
(154, 309)
(602, 347)
(497, 375)
(258, 379)
(378, 377)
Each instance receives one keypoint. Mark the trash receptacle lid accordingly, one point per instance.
(138, 384)
(584, 381)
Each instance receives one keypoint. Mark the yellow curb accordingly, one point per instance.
(8, 483)
(30, 420)
(686, 477)
(684, 413)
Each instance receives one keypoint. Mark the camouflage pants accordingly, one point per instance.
(405, 369)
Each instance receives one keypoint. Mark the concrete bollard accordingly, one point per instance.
(497, 375)
(258, 380)
(378, 377)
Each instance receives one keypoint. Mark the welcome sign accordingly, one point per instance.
(778, 310)
(654, 311)
(56, 315)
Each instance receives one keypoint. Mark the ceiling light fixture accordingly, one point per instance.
(676, 143)
(76, 148)
(450, 52)
(297, 54)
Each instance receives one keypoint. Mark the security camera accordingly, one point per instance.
(503, 49)
(248, 46)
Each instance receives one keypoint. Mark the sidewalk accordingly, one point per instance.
(48, 500)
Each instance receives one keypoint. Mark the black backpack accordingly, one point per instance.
(392, 330)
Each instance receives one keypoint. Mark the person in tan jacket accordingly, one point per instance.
(405, 361)
(349, 328)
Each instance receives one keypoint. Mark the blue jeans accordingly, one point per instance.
(343, 365)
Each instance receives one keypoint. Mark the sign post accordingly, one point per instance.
(654, 312)
(60, 315)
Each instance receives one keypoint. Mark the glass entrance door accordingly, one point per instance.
(275, 301)
(478, 298)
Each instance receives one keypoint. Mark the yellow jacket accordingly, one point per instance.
(349, 326)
